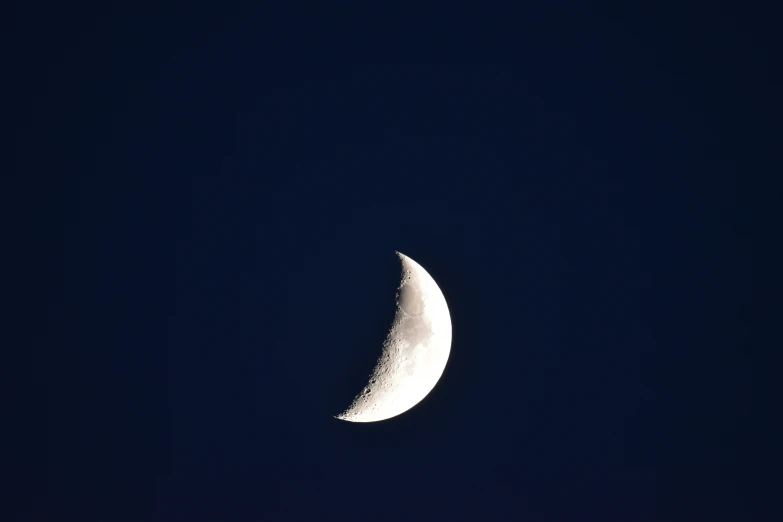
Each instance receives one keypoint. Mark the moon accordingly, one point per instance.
(414, 353)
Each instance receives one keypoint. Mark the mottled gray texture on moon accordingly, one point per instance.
(415, 351)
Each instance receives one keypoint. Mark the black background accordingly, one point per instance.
(200, 235)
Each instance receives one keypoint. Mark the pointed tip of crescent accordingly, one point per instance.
(402, 256)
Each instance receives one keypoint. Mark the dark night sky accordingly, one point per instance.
(200, 235)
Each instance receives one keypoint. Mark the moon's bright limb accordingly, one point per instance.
(415, 351)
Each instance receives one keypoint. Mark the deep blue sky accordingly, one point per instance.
(201, 233)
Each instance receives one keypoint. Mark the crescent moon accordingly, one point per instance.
(415, 351)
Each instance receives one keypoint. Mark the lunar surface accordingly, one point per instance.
(414, 353)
